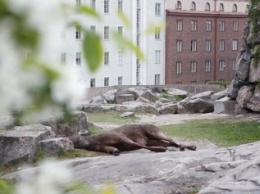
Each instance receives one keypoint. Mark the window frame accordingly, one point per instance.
(157, 56)
(106, 32)
(193, 66)
(234, 44)
(179, 25)
(106, 6)
(158, 9)
(178, 67)
(179, 46)
(106, 81)
(207, 66)
(193, 46)
(194, 25)
(106, 58)
(78, 58)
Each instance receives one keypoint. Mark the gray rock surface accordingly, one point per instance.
(176, 92)
(54, 146)
(62, 127)
(224, 105)
(20, 143)
(110, 96)
(197, 105)
(207, 171)
(149, 96)
(121, 98)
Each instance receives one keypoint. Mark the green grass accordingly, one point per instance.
(222, 132)
(110, 117)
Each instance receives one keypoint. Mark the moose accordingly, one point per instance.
(127, 138)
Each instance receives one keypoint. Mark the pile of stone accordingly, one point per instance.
(22, 144)
(153, 100)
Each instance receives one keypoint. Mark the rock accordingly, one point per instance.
(120, 98)
(156, 90)
(20, 143)
(128, 91)
(203, 95)
(127, 114)
(142, 99)
(239, 110)
(176, 92)
(218, 95)
(97, 100)
(164, 100)
(197, 105)
(244, 96)
(233, 89)
(54, 146)
(206, 171)
(137, 107)
(168, 109)
(110, 96)
(62, 127)
(255, 67)
(149, 96)
(224, 105)
(99, 108)
(181, 109)
(254, 103)
(242, 66)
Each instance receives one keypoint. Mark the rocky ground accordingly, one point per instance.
(208, 170)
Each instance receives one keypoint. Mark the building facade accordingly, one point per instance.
(203, 38)
(120, 67)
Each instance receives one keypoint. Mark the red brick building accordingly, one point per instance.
(202, 46)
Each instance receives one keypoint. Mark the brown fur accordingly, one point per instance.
(128, 137)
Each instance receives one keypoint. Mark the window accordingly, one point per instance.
(193, 45)
(93, 29)
(221, 65)
(120, 58)
(120, 30)
(179, 25)
(63, 58)
(106, 32)
(193, 6)
(178, 67)
(221, 7)
(208, 26)
(157, 33)
(78, 32)
(157, 79)
(207, 66)
(179, 46)
(120, 6)
(78, 2)
(78, 58)
(178, 5)
(158, 9)
(193, 25)
(93, 4)
(234, 9)
(234, 45)
(222, 26)
(207, 6)
(193, 67)
(106, 6)
(208, 45)
(106, 58)
(92, 82)
(234, 64)
(106, 81)
(120, 80)
(235, 26)
(221, 45)
(157, 56)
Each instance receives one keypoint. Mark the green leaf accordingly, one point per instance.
(88, 11)
(124, 19)
(124, 44)
(92, 50)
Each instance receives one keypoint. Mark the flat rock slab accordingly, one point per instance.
(204, 171)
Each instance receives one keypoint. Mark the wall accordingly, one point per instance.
(92, 92)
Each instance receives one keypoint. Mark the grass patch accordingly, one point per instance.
(224, 133)
(110, 117)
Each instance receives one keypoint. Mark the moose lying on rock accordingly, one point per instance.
(126, 138)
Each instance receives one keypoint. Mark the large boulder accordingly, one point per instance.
(224, 105)
(132, 91)
(196, 105)
(20, 143)
(176, 92)
(149, 96)
(137, 107)
(169, 109)
(55, 146)
(203, 95)
(63, 127)
(110, 96)
(121, 98)
(97, 100)
(244, 96)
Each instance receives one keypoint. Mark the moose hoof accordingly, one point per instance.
(193, 148)
(116, 153)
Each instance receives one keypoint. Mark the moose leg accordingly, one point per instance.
(107, 149)
(158, 135)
